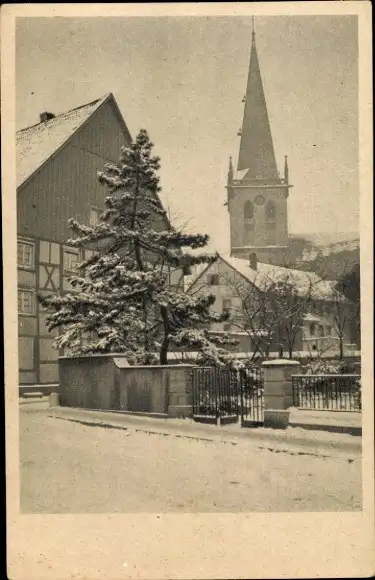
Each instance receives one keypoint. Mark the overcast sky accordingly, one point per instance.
(183, 80)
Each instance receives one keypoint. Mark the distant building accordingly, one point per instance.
(342, 246)
(239, 286)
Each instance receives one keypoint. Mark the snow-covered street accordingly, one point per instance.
(70, 467)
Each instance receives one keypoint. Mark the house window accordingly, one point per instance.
(25, 302)
(70, 261)
(95, 214)
(312, 329)
(49, 252)
(226, 327)
(329, 330)
(89, 254)
(321, 330)
(227, 304)
(25, 254)
(213, 280)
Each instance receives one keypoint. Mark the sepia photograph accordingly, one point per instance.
(189, 259)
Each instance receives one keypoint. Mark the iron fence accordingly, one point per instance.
(327, 392)
(224, 395)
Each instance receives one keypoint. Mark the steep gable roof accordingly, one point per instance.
(256, 157)
(268, 274)
(36, 144)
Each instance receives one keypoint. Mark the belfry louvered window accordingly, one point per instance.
(248, 210)
(270, 211)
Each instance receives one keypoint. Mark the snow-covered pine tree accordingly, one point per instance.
(123, 298)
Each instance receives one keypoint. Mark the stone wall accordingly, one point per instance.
(107, 382)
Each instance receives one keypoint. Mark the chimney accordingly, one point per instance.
(46, 116)
(253, 261)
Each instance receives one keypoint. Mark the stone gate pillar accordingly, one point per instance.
(278, 393)
(180, 391)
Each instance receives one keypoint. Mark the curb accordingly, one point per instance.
(207, 432)
(346, 429)
(32, 400)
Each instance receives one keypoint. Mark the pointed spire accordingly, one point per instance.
(286, 170)
(256, 147)
(230, 172)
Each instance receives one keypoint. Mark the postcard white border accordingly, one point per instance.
(292, 545)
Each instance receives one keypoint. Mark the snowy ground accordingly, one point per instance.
(69, 467)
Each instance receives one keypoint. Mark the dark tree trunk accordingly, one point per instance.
(165, 343)
(291, 343)
(341, 355)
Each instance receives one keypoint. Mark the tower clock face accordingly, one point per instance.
(259, 200)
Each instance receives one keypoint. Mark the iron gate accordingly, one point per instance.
(252, 401)
(222, 396)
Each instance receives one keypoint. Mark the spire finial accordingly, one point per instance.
(230, 171)
(286, 169)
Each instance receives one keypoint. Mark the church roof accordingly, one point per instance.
(267, 274)
(256, 147)
(36, 144)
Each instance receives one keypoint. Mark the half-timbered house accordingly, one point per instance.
(57, 164)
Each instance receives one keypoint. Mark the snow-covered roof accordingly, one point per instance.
(36, 144)
(240, 174)
(311, 318)
(196, 354)
(272, 355)
(268, 274)
(317, 319)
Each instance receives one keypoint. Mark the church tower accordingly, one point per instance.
(257, 196)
